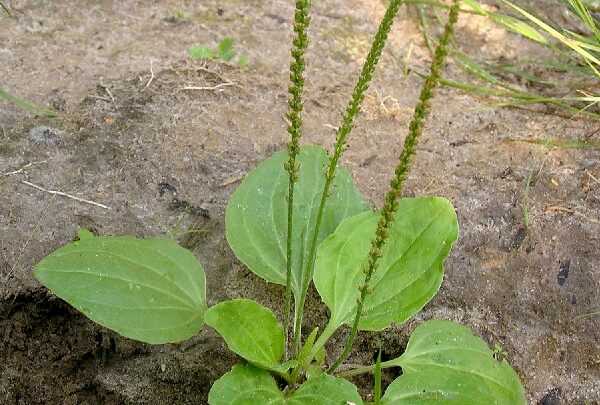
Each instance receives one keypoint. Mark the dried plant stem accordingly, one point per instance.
(347, 125)
(297, 66)
(396, 185)
(83, 200)
(6, 10)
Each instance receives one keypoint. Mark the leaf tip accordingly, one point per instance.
(84, 234)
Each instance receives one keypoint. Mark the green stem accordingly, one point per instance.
(401, 173)
(347, 125)
(321, 341)
(286, 376)
(377, 374)
(297, 66)
(368, 369)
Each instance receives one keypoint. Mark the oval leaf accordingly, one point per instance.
(249, 385)
(151, 290)
(326, 390)
(246, 385)
(256, 215)
(250, 330)
(409, 273)
(445, 363)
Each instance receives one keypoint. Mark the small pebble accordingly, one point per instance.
(551, 398)
(563, 273)
(44, 134)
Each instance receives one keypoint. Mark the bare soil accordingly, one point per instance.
(130, 137)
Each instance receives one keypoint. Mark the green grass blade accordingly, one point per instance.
(19, 102)
(564, 67)
(520, 27)
(473, 88)
(476, 7)
(477, 70)
(588, 42)
(587, 315)
(439, 4)
(526, 199)
(573, 44)
(514, 70)
(424, 21)
(585, 16)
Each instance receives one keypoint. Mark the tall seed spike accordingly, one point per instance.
(297, 67)
(396, 185)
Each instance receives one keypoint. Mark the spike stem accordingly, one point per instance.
(401, 173)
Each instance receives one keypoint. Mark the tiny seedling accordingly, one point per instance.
(297, 219)
(180, 14)
(499, 353)
(224, 52)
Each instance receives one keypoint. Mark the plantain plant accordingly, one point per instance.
(297, 218)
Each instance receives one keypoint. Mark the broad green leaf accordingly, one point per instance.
(326, 390)
(445, 364)
(248, 385)
(151, 290)
(250, 330)
(245, 385)
(84, 234)
(435, 387)
(409, 273)
(256, 215)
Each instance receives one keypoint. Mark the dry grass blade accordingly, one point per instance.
(551, 143)
(6, 10)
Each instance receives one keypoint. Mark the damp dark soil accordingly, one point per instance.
(130, 137)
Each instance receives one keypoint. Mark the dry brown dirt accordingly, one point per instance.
(129, 136)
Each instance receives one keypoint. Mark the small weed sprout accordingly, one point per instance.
(224, 51)
(371, 270)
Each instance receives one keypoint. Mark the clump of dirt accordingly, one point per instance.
(148, 150)
(55, 355)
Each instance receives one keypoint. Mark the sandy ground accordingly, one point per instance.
(129, 136)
